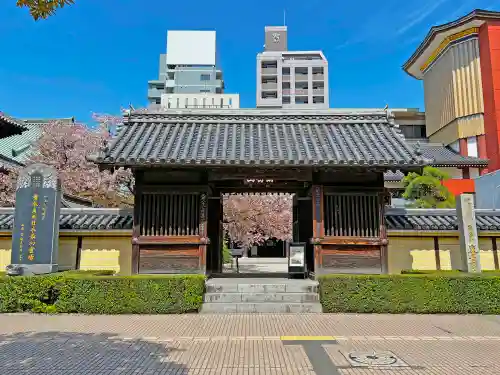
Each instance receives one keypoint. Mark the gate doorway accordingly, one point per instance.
(254, 229)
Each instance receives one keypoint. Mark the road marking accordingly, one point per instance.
(312, 338)
(313, 347)
(307, 338)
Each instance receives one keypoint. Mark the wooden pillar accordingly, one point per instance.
(203, 233)
(384, 242)
(136, 230)
(79, 245)
(318, 225)
(495, 252)
(437, 254)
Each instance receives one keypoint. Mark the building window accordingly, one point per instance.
(204, 90)
(158, 101)
(472, 147)
(413, 131)
(205, 77)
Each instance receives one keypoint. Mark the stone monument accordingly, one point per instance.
(35, 237)
(469, 244)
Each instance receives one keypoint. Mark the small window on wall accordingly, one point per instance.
(205, 77)
(472, 147)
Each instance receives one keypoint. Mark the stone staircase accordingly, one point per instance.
(245, 295)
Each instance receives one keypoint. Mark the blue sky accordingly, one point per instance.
(99, 54)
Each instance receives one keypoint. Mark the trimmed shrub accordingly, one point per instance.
(428, 272)
(74, 292)
(424, 293)
(91, 272)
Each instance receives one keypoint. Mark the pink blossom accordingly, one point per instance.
(66, 147)
(253, 219)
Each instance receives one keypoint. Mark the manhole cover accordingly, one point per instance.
(374, 359)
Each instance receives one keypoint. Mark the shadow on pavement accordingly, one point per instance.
(72, 353)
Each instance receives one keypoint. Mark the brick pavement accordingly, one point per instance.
(246, 344)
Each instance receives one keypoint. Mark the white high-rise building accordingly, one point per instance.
(290, 79)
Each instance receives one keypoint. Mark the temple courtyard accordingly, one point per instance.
(271, 344)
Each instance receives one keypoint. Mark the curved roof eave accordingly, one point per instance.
(435, 30)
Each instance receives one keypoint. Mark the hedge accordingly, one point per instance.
(77, 292)
(411, 293)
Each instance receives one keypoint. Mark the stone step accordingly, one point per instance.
(265, 307)
(292, 286)
(261, 297)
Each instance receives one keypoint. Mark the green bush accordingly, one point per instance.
(424, 293)
(227, 257)
(446, 272)
(74, 292)
(91, 272)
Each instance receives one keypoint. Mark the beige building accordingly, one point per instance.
(457, 63)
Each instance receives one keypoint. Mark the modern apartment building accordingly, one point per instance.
(290, 79)
(188, 67)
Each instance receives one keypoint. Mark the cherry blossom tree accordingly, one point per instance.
(252, 219)
(66, 147)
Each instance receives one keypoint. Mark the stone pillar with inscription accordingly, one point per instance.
(469, 246)
(35, 237)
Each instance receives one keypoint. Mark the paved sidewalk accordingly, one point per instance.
(317, 344)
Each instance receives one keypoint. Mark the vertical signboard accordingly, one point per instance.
(469, 247)
(35, 236)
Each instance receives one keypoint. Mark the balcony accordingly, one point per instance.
(286, 78)
(319, 91)
(155, 93)
(318, 77)
(269, 71)
(270, 86)
(301, 77)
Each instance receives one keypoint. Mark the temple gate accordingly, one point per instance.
(333, 162)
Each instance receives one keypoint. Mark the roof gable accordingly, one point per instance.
(441, 36)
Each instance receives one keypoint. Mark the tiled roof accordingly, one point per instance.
(80, 219)
(443, 156)
(396, 219)
(439, 155)
(8, 163)
(259, 137)
(393, 176)
(437, 219)
(17, 147)
(13, 126)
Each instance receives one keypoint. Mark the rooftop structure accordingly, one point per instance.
(201, 100)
